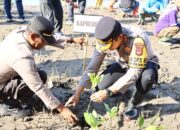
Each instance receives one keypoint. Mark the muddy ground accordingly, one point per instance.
(65, 67)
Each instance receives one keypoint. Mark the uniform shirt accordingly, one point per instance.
(122, 58)
(16, 58)
(167, 19)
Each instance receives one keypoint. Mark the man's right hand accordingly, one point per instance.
(72, 100)
(67, 114)
(75, 98)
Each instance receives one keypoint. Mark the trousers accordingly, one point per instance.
(53, 11)
(144, 83)
(16, 88)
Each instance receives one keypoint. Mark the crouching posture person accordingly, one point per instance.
(167, 26)
(19, 78)
(151, 8)
(135, 61)
(129, 8)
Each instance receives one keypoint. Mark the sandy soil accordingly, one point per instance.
(65, 66)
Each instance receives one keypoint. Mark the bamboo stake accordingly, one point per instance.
(85, 51)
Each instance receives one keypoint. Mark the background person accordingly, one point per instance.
(70, 10)
(7, 9)
(167, 26)
(53, 11)
(150, 8)
(129, 8)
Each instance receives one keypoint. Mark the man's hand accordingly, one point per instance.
(99, 96)
(72, 100)
(75, 98)
(67, 114)
(79, 40)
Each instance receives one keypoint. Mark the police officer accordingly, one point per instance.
(135, 63)
(19, 78)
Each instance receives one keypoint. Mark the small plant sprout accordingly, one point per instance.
(140, 122)
(151, 126)
(93, 119)
(111, 112)
(154, 127)
(95, 79)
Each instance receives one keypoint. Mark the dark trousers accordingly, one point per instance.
(70, 9)
(17, 90)
(7, 8)
(148, 77)
(53, 11)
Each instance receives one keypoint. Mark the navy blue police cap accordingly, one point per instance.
(106, 30)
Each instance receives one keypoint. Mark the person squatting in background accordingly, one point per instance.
(128, 8)
(151, 8)
(167, 26)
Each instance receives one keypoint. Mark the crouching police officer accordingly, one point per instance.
(19, 78)
(135, 63)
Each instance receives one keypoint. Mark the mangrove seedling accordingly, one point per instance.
(112, 112)
(95, 79)
(151, 126)
(93, 119)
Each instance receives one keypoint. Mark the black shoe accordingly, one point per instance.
(131, 114)
(6, 110)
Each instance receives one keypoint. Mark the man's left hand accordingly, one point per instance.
(99, 96)
(79, 40)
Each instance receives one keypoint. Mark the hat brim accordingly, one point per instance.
(50, 39)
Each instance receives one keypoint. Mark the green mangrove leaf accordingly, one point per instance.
(151, 127)
(93, 119)
(140, 121)
(95, 114)
(113, 112)
(99, 78)
(99, 118)
(90, 119)
(107, 108)
(161, 127)
(95, 79)
(94, 128)
(154, 127)
(87, 118)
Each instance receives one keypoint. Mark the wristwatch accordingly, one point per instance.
(109, 93)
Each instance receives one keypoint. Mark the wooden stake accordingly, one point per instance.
(85, 51)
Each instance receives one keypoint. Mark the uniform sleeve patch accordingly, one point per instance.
(138, 56)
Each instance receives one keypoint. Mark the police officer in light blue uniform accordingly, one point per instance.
(135, 64)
